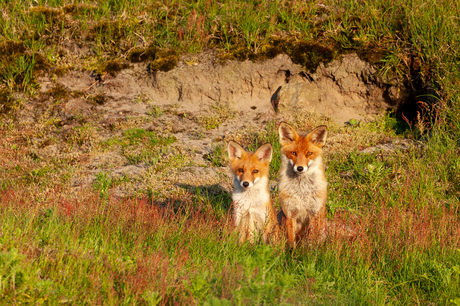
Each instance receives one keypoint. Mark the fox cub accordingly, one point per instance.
(253, 212)
(302, 184)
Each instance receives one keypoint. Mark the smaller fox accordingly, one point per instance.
(302, 183)
(253, 212)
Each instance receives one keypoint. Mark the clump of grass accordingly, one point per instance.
(106, 31)
(156, 111)
(219, 112)
(18, 68)
(79, 9)
(218, 156)
(135, 136)
(102, 184)
(138, 145)
(47, 14)
(83, 135)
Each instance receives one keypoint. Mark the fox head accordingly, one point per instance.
(248, 168)
(302, 151)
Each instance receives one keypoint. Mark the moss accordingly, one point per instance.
(7, 102)
(59, 92)
(309, 54)
(114, 66)
(78, 9)
(60, 71)
(372, 54)
(98, 99)
(165, 60)
(48, 14)
(41, 62)
(162, 60)
(10, 48)
(106, 30)
(138, 55)
(68, 9)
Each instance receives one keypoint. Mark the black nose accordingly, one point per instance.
(245, 184)
(300, 168)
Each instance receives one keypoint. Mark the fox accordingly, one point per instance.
(253, 212)
(302, 184)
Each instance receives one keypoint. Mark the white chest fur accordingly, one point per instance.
(252, 200)
(300, 191)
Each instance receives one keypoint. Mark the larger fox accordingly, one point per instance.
(302, 184)
(253, 212)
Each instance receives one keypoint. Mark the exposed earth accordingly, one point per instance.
(143, 131)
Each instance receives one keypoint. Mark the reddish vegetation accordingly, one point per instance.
(379, 235)
(393, 233)
(138, 220)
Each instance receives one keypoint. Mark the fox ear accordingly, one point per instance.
(318, 135)
(235, 151)
(264, 153)
(287, 133)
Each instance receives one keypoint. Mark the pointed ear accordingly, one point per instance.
(235, 151)
(318, 135)
(287, 133)
(264, 153)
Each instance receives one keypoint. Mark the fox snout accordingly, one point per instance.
(300, 168)
(246, 182)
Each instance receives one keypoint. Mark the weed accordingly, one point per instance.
(156, 111)
(7, 102)
(102, 184)
(84, 134)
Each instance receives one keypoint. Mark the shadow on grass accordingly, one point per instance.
(210, 196)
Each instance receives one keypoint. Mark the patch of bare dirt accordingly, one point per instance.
(80, 120)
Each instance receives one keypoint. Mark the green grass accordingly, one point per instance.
(131, 251)
(138, 145)
(387, 33)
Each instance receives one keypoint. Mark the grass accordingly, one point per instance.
(385, 33)
(135, 250)
(60, 245)
(139, 145)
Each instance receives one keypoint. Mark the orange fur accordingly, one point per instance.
(253, 211)
(302, 184)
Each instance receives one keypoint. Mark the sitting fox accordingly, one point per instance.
(253, 212)
(302, 183)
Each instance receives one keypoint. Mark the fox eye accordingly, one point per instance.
(294, 153)
(255, 171)
(240, 170)
(309, 153)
